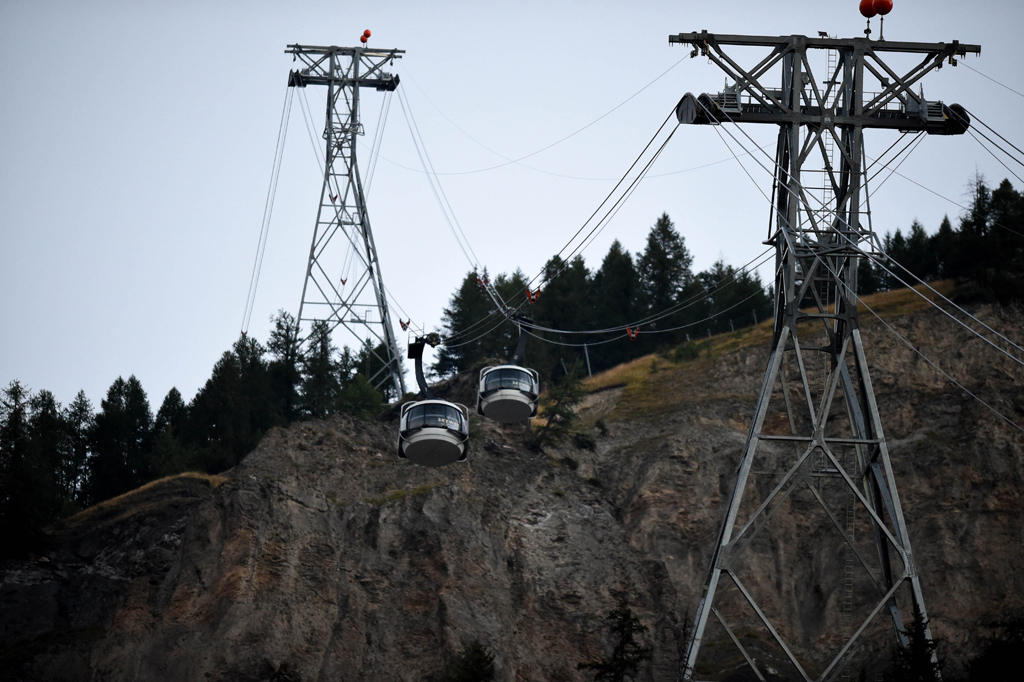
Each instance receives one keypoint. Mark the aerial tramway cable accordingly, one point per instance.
(1016, 92)
(509, 161)
(268, 209)
(879, 262)
(597, 226)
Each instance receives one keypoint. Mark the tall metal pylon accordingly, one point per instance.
(359, 301)
(816, 444)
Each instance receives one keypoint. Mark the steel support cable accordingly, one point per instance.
(579, 177)
(509, 161)
(672, 310)
(993, 154)
(994, 132)
(603, 222)
(908, 150)
(430, 178)
(879, 262)
(510, 312)
(307, 118)
(268, 210)
(868, 255)
(621, 201)
(955, 203)
(428, 167)
(476, 338)
(611, 194)
(378, 139)
(930, 361)
(442, 198)
(656, 331)
(975, 131)
(854, 245)
(350, 252)
(992, 79)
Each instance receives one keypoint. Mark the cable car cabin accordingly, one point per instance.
(433, 433)
(508, 393)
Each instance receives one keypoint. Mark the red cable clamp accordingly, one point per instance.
(532, 296)
(632, 333)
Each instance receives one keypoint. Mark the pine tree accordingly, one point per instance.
(664, 266)
(360, 398)
(732, 298)
(1000, 654)
(944, 247)
(285, 374)
(230, 413)
(48, 451)
(628, 653)
(616, 288)
(565, 303)
(469, 315)
(917, 660)
(120, 441)
(169, 454)
(320, 384)
(20, 517)
(79, 422)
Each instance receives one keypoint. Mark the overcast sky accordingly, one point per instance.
(138, 137)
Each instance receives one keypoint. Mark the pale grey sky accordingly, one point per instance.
(137, 141)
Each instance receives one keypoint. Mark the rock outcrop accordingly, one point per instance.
(323, 557)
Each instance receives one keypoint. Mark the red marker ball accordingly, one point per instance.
(362, 39)
(368, 34)
(882, 7)
(867, 8)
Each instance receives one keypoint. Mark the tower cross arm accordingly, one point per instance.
(325, 65)
(703, 39)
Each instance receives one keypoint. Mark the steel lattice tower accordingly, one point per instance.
(816, 443)
(342, 221)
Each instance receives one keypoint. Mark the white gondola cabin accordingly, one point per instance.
(508, 393)
(433, 432)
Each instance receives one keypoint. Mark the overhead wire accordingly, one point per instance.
(588, 221)
(879, 262)
(442, 199)
(931, 362)
(1016, 92)
(509, 161)
(378, 137)
(672, 310)
(974, 116)
(993, 155)
(268, 210)
(1015, 359)
(351, 253)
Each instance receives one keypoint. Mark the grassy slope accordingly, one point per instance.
(658, 382)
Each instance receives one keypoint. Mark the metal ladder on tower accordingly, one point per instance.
(832, 93)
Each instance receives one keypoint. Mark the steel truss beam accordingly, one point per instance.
(839, 461)
(359, 303)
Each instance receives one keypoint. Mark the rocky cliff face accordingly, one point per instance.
(323, 557)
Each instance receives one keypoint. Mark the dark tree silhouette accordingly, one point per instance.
(121, 440)
(917, 661)
(628, 653)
